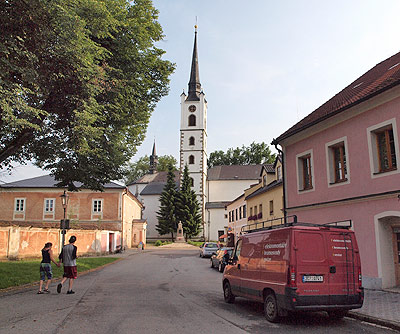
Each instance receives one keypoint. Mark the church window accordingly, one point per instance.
(191, 141)
(192, 120)
(191, 160)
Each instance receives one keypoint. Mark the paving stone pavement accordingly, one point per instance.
(380, 307)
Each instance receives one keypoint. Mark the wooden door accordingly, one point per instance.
(396, 249)
(111, 242)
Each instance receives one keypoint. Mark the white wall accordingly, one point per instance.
(221, 191)
(152, 205)
(215, 221)
(227, 190)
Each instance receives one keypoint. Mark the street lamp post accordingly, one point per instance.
(64, 200)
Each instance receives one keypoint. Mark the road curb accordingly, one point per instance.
(374, 320)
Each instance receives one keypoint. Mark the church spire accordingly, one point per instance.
(194, 82)
(153, 160)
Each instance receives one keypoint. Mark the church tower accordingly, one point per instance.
(193, 139)
(153, 160)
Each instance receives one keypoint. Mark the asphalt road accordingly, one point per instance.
(159, 291)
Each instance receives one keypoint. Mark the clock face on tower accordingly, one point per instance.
(192, 108)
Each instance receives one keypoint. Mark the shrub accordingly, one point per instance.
(158, 243)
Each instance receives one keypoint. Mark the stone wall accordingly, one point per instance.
(18, 242)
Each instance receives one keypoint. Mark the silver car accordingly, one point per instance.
(208, 249)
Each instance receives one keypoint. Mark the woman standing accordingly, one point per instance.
(45, 267)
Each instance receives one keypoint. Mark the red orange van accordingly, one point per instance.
(296, 266)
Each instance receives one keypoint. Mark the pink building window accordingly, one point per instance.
(307, 175)
(339, 163)
(386, 150)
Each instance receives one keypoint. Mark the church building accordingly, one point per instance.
(214, 189)
(193, 132)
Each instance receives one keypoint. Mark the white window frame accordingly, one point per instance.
(101, 203)
(279, 173)
(330, 172)
(46, 214)
(373, 150)
(53, 206)
(24, 205)
(299, 169)
(19, 212)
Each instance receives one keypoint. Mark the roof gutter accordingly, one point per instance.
(283, 177)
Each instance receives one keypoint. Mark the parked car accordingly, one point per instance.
(208, 249)
(296, 266)
(220, 259)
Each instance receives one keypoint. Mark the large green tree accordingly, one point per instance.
(188, 208)
(79, 80)
(135, 170)
(256, 153)
(167, 219)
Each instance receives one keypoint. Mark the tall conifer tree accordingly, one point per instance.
(167, 219)
(188, 208)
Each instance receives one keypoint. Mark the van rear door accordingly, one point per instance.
(343, 276)
(312, 269)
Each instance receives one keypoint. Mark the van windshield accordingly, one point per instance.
(211, 246)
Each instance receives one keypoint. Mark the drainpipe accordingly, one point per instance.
(283, 177)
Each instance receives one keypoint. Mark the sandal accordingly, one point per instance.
(40, 293)
(46, 291)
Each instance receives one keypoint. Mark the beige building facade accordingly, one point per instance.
(264, 201)
(31, 211)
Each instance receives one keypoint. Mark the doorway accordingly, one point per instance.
(396, 255)
(111, 242)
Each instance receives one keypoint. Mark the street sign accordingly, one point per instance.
(64, 226)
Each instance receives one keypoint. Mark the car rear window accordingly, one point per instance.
(211, 246)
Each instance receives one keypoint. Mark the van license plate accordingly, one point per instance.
(313, 278)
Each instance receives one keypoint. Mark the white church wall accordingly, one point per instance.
(217, 222)
(152, 205)
(227, 190)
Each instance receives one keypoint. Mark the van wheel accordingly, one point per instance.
(221, 267)
(336, 315)
(228, 295)
(212, 264)
(271, 308)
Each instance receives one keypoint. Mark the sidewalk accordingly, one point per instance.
(380, 307)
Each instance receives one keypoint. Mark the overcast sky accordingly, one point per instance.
(264, 64)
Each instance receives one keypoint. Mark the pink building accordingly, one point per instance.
(341, 162)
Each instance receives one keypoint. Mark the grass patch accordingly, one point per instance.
(14, 273)
(195, 243)
(162, 243)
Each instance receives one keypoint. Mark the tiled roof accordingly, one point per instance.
(234, 172)
(262, 190)
(380, 78)
(155, 188)
(217, 205)
(269, 168)
(48, 181)
(156, 177)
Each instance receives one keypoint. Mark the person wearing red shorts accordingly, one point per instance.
(68, 258)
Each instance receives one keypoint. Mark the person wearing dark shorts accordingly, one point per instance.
(45, 267)
(68, 258)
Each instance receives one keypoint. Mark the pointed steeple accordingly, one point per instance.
(194, 82)
(153, 160)
(154, 149)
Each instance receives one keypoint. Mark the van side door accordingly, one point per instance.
(233, 270)
(250, 256)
